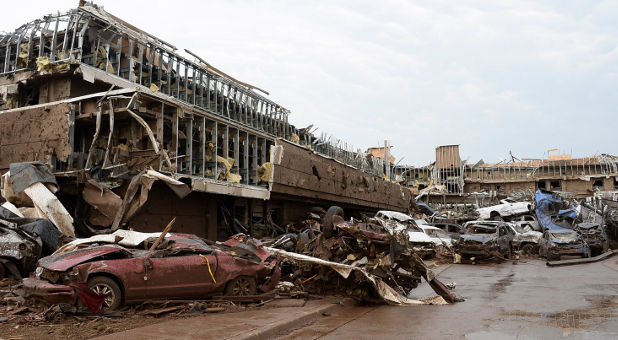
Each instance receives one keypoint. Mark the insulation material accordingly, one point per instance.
(126, 238)
(49, 207)
(228, 164)
(102, 62)
(23, 55)
(266, 172)
(44, 64)
(105, 202)
(210, 148)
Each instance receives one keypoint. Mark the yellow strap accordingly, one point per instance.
(209, 270)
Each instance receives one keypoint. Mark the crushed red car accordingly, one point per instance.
(184, 266)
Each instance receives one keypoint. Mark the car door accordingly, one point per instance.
(503, 240)
(181, 273)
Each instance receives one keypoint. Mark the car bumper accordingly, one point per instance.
(569, 250)
(476, 250)
(595, 244)
(49, 292)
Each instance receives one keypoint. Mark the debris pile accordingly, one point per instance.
(365, 260)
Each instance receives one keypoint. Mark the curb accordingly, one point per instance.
(281, 326)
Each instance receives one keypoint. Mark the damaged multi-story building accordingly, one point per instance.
(101, 101)
(451, 180)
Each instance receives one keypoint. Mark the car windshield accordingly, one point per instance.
(413, 227)
(480, 229)
(436, 233)
(564, 236)
(563, 223)
(519, 229)
(594, 228)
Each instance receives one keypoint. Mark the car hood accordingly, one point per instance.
(481, 238)
(65, 261)
(420, 237)
(565, 238)
(532, 236)
(588, 228)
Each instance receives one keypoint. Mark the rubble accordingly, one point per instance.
(32, 185)
(375, 260)
(84, 164)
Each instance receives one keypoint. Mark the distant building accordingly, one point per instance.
(379, 153)
(449, 176)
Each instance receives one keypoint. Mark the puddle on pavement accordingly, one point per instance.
(501, 285)
(601, 309)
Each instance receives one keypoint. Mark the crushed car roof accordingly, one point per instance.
(62, 262)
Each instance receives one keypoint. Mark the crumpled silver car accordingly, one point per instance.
(558, 242)
(22, 242)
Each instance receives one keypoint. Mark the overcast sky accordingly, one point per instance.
(492, 76)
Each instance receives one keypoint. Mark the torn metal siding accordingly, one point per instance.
(34, 134)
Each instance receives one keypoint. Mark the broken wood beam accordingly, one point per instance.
(165, 231)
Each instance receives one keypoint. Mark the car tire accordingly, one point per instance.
(241, 286)
(106, 285)
(529, 249)
(327, 221)
(495, 216)
(509, 252)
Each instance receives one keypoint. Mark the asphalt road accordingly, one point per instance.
(526, 300)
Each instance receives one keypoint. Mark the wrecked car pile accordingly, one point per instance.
(374, 260)
(565, 230)
(550, 226)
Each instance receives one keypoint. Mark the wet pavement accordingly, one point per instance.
(527, 300)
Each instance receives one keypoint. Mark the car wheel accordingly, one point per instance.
(528, 249)
(2, 271)
(241, 286)
(105, 285)
(327, 221)
(495, 216)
